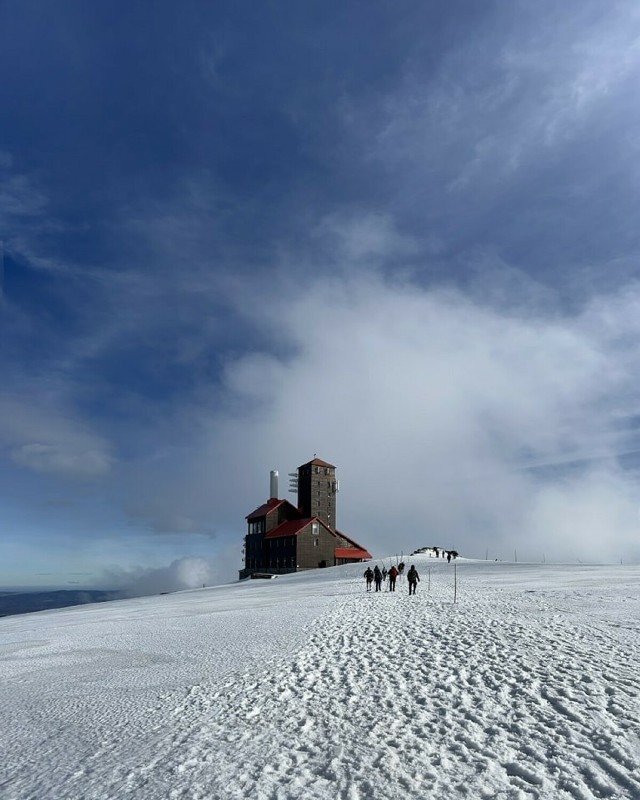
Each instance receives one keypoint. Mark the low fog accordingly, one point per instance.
(183, 573)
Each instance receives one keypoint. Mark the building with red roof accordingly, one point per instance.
(285, 538)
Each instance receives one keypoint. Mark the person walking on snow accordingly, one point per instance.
(393, 574)
(377, 578)
(412, 578)
(368, 576)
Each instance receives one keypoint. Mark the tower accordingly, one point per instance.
(317, 490)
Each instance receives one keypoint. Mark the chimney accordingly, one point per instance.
(273, 484)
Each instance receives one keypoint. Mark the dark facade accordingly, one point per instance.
(258, 553)
(317, 490)
(282, 538)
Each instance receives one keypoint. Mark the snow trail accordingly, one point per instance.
(511, 693)
(395, 694)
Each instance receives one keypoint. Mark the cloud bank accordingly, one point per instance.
(183, 573)
(452, 421)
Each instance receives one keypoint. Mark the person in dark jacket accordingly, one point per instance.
(393, 574)
(377, 578)
(368, 576)
(413, 579)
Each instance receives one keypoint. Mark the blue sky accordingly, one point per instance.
(401, 235)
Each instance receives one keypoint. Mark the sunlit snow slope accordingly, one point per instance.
(308, 687)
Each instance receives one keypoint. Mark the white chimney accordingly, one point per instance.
(273, 484)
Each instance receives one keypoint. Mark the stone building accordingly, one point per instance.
(284, 538)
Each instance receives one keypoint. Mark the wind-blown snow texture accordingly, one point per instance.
(308, 687)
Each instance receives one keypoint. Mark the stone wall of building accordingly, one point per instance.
(316, 493)
(315, 547)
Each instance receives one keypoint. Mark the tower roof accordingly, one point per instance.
(317, 462)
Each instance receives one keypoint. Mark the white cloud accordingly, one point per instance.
(432, 405)
(183, 573)
(43, 437)
(363, 238)
(61, 458)
(515, 90)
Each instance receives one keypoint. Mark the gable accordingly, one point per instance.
(295, 527)
(272, 505)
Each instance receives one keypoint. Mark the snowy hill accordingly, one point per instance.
(308, 687)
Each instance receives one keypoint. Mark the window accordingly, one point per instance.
(316, 542)
(256, 526)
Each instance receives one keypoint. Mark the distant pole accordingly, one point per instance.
(486, 554)
(455, 583)
(515, 556)
(429, 582)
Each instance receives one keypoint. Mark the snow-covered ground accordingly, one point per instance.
(308, 687)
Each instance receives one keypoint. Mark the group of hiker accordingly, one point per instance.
(438, 552)
(377, 576)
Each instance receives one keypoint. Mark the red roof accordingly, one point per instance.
(295, 526)
(318, 462)
(351, 541)
(290, 528)
(351, 552)
(265, 508)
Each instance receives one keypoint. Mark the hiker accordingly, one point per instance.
(449, 557)
(393, 574)
(368, 576)
(401, 568)
(413, 578)
(377, 578)
(384, 574)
